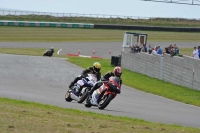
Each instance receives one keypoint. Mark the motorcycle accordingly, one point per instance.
(48, 53)
(103, 96)
(79, 91)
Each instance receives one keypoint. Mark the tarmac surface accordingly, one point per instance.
(101, 49)
(45, 80)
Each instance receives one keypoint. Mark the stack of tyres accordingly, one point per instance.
(116, 60)
(112, 60)
(119, 61)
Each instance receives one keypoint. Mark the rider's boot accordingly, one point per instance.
(95, 97)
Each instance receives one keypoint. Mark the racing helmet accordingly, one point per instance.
(117, 71)
(97, 67)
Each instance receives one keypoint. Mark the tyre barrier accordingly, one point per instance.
(116, 60)
(45, 24)
(147, 28)
(96, 26)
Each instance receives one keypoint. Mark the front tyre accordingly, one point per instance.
(87, 102)
(83, 96)
(105, 100)
(67, 97)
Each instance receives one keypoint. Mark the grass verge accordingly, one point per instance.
(41, 34)
(22, 116)
(28, 51)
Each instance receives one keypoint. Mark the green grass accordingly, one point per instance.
(42, 34)
(29, 117)
(172, 22)
(187, 51)
(28, 51)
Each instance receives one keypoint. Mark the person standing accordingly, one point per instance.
(154, 52)
(160, 52)
(196, 53)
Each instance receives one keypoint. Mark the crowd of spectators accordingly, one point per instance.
(138, 48)
(172, 50)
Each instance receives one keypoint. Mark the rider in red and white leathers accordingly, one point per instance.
(116, 72)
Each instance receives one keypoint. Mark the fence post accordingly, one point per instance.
(161, 68)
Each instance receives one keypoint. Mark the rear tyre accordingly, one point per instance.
(67, 97)
(105, 100)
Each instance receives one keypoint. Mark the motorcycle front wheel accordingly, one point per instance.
(83, 96)
(67, 97)
(105, 100)
(87, 102)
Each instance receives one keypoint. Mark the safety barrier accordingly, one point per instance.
(45, 24)
(146, 28)
(116, 60)
(182, 71)
(96, 26)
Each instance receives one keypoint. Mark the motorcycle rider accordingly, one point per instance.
(49, 52)
(95, 69)
(52, 50)
(117, 71)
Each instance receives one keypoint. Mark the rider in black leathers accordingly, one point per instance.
(49, 52)
(116, 72)
(52, 50)
(95, 69)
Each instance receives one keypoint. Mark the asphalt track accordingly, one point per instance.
(101, 49)
(45, 80)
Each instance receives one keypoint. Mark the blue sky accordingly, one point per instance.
(109, 7)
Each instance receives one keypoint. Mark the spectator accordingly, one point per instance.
(142, 48)
(195, 53)
(176, 50)
(145, 48)
(150, 49)
(159, 51)
(154, 52)
(168, 50)
(137, 48)
(132, 49)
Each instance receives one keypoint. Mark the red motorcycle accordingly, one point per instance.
(102, 96)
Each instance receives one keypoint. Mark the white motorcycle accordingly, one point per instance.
(79, 91)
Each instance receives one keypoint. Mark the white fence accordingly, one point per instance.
(177, 70)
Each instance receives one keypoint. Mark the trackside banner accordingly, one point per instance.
(45, 24)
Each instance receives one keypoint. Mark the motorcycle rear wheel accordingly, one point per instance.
(105, 100)
(67, 97)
